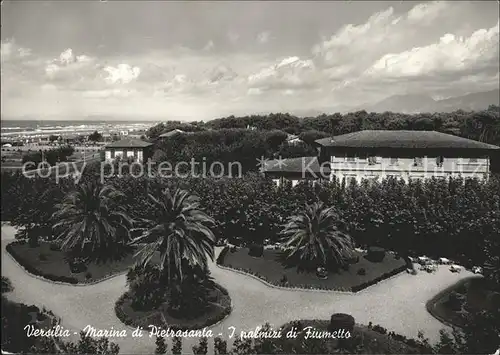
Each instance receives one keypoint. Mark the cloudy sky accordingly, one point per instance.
(202, 60)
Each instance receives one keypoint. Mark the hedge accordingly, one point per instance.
(127, 320)
(222, 255)
(378, 279)
(355, 288)
(32, 270)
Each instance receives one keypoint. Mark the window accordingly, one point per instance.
(439, 161)
(394, 161)
(351, 159)
(372, 160)
(418, 162)
(473, 160)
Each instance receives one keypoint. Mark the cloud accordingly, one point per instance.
(451, 54)
(123, 73)
(9, 50)
(291, 72)
(426, 12)
(264, 37)
(209, 46)
(436, 48)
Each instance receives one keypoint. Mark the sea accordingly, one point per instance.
(33, 128)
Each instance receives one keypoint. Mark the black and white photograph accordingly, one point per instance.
(250, 177)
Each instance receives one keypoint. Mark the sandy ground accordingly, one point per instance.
(398, 303)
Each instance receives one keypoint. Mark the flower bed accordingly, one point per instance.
(157, 317)
(270, 269)
(50, 263)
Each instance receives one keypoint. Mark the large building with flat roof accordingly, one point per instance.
(379, 154)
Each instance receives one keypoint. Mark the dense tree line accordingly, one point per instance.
(51, 156)
(228, 139)
(452, 218)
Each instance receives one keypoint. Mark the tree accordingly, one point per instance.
(480, 335)
(202, 347)
(180, 232)
(6, 285)
(220, 346)
(315, 238)
(89, 345)
(95, 137)
(177, 346)
(91, 219)
(492, 263)
(161, 347)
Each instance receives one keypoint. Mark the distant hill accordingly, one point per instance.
(472, 102)
(424, 103)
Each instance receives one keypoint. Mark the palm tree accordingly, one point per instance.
(314, 238)
(179, 232)
(92, 216)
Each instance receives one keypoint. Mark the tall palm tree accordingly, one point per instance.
(92, 216)
(314, 237)
(180, 232)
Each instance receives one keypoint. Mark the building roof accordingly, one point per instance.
(129, 143)
(402, 139)
(295, 165)
(171, 133)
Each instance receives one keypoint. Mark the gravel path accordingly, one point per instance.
(398, 303)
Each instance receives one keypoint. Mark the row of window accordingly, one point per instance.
(418, 161)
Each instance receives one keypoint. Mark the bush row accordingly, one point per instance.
(130, 321)
(32, 270)
(378, 279)
(355, 288)
(403, 339)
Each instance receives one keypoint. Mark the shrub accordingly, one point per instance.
(375, 254)
(134, 322)
(379, 329)
(361, 271)
(88, 275)
(256, 250)
(341, 321)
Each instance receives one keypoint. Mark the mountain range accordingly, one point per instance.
(416, 103)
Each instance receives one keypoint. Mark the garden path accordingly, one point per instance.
(398, 303)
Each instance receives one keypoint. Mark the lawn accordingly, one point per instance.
(270, 268)
(51, 264)
(472, 294)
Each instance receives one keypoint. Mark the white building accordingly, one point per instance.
(379, 154)
(136, 149)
